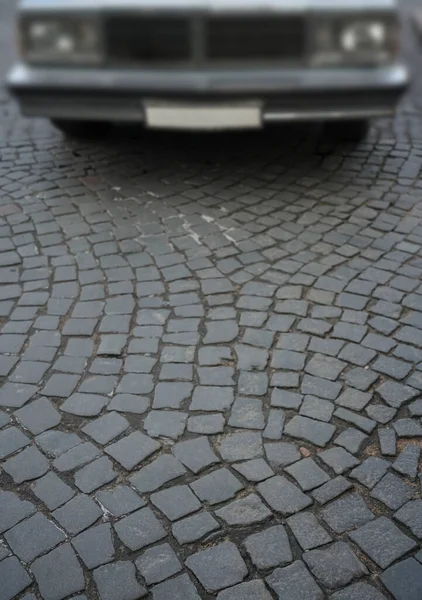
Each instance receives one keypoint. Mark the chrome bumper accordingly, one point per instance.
(285, 95)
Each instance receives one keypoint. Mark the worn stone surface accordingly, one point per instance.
(210, 344)
(269, 548)
(382, 541)
(335, 566)
(218, 567)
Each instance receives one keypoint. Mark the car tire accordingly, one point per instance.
(82, 129)
(348, 131)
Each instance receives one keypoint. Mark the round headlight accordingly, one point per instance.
(39, 31)
(363, 36)
(65, 43)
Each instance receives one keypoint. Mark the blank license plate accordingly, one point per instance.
(203, 117)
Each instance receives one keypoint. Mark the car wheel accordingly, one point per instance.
(347, 131)
(82, 129)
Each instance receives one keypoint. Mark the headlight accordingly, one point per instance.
(61, 40)
(361, 41)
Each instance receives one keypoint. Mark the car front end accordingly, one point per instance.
(208, 65)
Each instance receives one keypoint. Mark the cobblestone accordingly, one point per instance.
(199, 339)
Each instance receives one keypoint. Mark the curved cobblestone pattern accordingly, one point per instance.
(211, 352)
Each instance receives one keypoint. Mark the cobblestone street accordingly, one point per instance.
(211, 361)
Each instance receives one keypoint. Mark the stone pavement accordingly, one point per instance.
(211, 357)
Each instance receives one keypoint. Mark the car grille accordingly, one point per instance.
(155, 40)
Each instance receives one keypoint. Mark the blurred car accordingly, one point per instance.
(208, 64)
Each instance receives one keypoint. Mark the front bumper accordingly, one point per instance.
(283, 94)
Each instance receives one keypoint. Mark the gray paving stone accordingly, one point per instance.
(27, 465)
(13, 577)
(218, 567)
(140, 529)
(95, 545)
(411, 515)
(179, 588)
(295, 582)
(195, 454)
(77, 514)
(34, 536)
(213, 375)
(382, 541)
(60, 385)
(254, 470)
(380, 413)
(283, 497)
(134, 383)
(106, 428)
(172, 395)
(194, 528)
(392, 491)
(84, 405)
(407, 461)
(29, 372)
(347, 513)
(95, 475)
(15, 395)
(359, 590)
(316, 408)
(351, 439)
(52, 491)
(163, 469)
(269, 548)
(245, 511)
(354, 399)
(251, 590)
(408, 428)
(370, 471)
(357, 354)
(176, 502)
(335, 566)
(216, 487)
(55, 443)
(120, 500)
(415, 408)
(288, 360)
(158, 563)
(286, 399)
(395, 394)
(322, 388)
(285, 379)
(324, 366)
(307, 474)
(247, 413)
(307, 531)
(275, 425)
(4, 419)
(13, 510)
(313, 431)
(387, 439)
(117, 581)
(206, 424)
(58, 573)
(367, 425)
(132, 449)
(129, 403)
(241, 446)
(76, 457)
(252, 383)
(11, 440)
(404, 580)
(167, 424)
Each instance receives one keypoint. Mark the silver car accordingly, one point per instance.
(208, 64)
